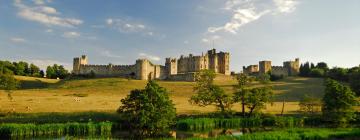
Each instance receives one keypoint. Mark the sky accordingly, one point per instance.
(45, 32)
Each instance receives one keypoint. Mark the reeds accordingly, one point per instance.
(13, 130)
(204, 124)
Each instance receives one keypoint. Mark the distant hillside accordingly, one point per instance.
(104, 94)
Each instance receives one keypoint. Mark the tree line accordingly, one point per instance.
(321, 70)
(22, 68)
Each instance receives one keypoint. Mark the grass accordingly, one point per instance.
(104, 94)
(41, 118)
(19, 131)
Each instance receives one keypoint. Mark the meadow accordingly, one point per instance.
(39, 95)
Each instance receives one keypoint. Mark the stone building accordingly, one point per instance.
(252, 69)
(175, 69)
(289, 68)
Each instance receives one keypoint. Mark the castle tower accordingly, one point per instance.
(264, 67)
(141, 69)
(223, 63)
(213, 60)
(171, 66)
(77, 62)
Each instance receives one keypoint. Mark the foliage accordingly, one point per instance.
(148, 112)
(205, 124)
(241, 91)
(339, 74)
(209, 94)
(354, 80)
(56, 71)
(310, 70)
(338, 102)
(317, 72)
(310, 105)
(21, 131)
(258, 98)
(19, 68)
(264, 78)
(8, 82)
(322, 65)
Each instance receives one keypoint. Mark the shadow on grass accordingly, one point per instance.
(293, 89)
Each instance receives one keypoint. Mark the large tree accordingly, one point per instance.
(149, 112)
(207, 93)
(8, 83)
(338, 102)
(258, 98)
(241, 90)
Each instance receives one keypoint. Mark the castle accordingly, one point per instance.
(289, 68)
(182, 69)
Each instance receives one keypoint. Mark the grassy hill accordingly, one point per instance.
(104, 94)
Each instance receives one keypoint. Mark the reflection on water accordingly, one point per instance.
(173, 134)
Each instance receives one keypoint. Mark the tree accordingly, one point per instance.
(41, 73)
(264, 78)
(8, 83)
(257, 98)
(34, 70)
(316, 72)
(149, 112)
(305, 70)
(241, 91)
(50, 72)
(322, 65)
(339, 74)
(338, 102)
(354, 80)
(209, 94)
(310, 105)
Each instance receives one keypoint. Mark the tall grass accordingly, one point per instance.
(204, 124)
(12, 130)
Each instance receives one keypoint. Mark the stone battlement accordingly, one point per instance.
(144, 69)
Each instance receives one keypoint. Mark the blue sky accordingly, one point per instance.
(120, 31)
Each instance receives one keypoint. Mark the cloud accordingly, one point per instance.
(49, 31)
(44, 15)
(46, 9)
(151, 57)
(128, 26)
(71, 34)
(39, 2)
(244, 12)
(286, 6)
(17, 40)
(109, 54)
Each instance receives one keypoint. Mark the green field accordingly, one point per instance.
(104, 94)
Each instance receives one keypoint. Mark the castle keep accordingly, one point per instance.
(181, 69)
(289, 68)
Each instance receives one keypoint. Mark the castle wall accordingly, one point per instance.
(251, 69)
(108, 70)
(182, 77)
(279, 71)
(182, 69)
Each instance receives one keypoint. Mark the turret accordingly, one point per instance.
(171, 66)
(77, 62)
(141, 68)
